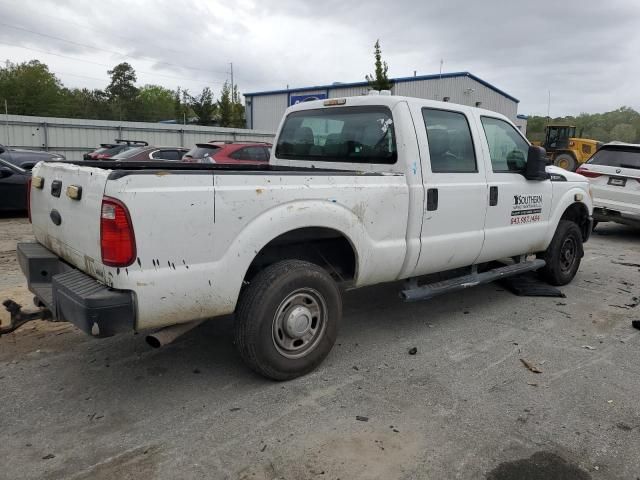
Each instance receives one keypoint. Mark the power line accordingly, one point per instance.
(113, 52)
(92, 29)
(105, 65)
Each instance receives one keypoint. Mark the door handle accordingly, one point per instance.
(432, 199)
(493, 196)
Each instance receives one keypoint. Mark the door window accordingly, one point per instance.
(507, 148)
(167, 155)
(256, 154)
(450, 143)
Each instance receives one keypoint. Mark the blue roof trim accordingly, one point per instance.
(393, 80)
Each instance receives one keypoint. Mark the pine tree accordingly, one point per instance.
(379, 80)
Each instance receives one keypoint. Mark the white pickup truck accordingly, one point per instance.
(358, 191)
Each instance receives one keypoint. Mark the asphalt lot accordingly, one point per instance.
(463, 407)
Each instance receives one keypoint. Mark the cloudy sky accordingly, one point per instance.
(585, 53)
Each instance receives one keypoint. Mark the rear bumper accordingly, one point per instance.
(72, 296)
(601, 214)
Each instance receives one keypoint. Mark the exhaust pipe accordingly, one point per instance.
(166, 335)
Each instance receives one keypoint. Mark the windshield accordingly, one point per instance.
(617, 157)
(128, 153)
(202, 150)
(344, 134)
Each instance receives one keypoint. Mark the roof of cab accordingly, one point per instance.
(390, 101)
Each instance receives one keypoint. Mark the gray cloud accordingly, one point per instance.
(582, 51)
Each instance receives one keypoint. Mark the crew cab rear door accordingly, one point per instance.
(456, 189)
(518, 213)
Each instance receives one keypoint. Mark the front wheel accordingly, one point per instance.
(563, 255)
(566, 161)
(287, 319)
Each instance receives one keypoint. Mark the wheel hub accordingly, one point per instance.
(298, 322)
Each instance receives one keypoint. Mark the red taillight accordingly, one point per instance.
(117, 241)
(29, 198)
(588, 173)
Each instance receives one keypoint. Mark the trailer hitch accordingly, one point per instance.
(19, 317)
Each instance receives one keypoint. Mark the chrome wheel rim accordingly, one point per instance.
(299, 323)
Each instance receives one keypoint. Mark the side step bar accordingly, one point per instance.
(459, 283)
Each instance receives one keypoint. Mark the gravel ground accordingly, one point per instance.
(464, 406)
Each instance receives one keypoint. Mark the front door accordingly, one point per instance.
(456, 190)
(518, 213)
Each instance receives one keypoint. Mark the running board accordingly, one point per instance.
(459, 283)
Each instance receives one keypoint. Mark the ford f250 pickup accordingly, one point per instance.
(358, 191)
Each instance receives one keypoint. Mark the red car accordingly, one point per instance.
(229, 152)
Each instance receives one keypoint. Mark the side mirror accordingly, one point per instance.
(536, 163)
(5, 172)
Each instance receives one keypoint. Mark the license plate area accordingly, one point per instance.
(617, 181)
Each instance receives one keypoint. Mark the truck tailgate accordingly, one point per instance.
(66, 226)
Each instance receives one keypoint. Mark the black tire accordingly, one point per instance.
(566, 161)
(563, 255)
(272, 307)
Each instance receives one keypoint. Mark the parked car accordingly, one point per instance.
(13, 187)
(26, 159)
(229, 152)
(359, 191)
(614, 174)
(108, 150)
(141, 154)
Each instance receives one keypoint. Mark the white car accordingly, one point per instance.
(614, 173)
(358, 191)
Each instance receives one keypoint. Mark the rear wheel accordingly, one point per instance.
(566, 161)
(563, 255)
(287, 319)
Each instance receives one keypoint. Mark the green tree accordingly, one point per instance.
(31, 89)
(379, 80)
(154, 103)
(122, 90)
(225, 107)
(203, 106)
(623, 132)
(237, 110)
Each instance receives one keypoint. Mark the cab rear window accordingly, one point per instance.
(345, 134)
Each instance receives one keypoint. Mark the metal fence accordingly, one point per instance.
(72, 137)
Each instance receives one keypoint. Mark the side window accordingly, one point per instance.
(241, 154)
(250, 153)
(166, 155)
(450, 143)
(507, 148)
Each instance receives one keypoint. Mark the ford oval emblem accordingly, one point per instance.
(55, 217)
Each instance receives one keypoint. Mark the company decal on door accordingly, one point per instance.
(526, 209)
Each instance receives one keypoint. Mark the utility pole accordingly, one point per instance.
(233, 92)
(549, 108)
(6, 120)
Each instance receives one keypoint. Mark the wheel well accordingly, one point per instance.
(325, 247)
(578, 214)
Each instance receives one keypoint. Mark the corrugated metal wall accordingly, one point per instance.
(72, 137)
(267, 110)
(461, 90)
